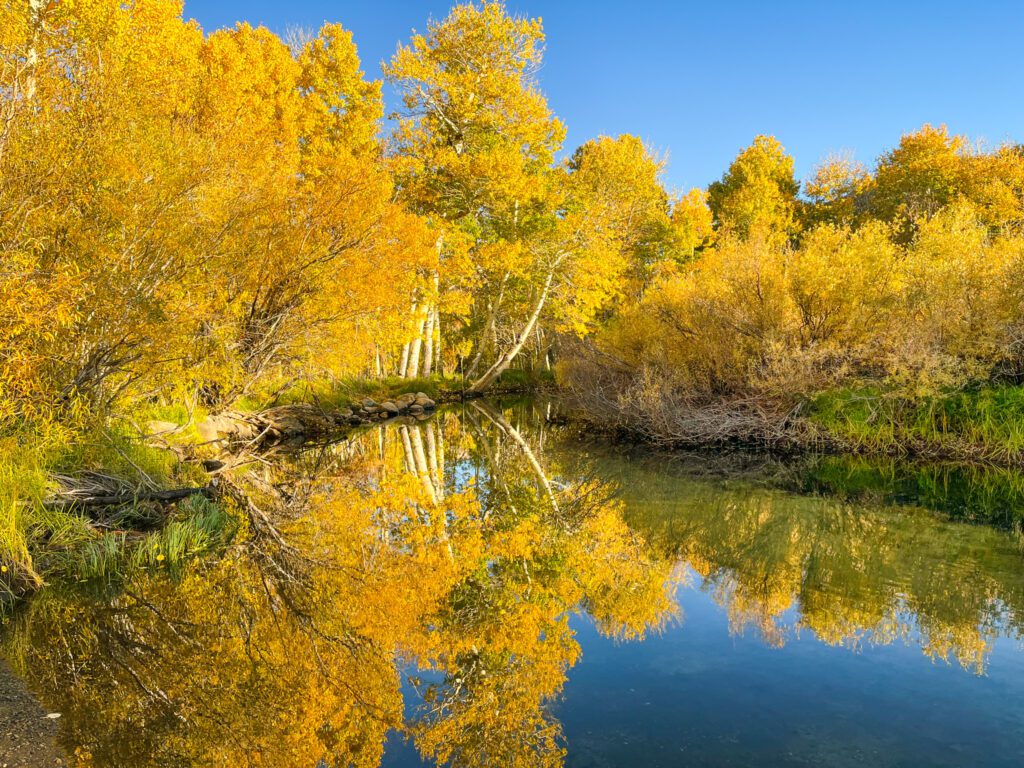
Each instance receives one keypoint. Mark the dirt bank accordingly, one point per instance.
(28, 736)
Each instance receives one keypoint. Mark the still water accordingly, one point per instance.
(485, 588)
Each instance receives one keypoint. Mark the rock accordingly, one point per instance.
(369, 403)
(297, 419)
(404, 401)
(390, 408)
(422, 399)
(243, 430)
(340, 415)
(215, 428)
(289, 425)
(414, 409)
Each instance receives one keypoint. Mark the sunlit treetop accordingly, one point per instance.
(757, 194)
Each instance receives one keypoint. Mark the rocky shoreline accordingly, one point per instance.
(299, 420)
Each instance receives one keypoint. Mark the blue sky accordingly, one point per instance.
(698, 81)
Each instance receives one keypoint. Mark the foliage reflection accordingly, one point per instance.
(450, 551)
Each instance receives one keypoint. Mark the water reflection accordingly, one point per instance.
(847, 565)
(419, 579)
(442, 547)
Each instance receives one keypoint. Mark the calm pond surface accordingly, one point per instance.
(485, 588)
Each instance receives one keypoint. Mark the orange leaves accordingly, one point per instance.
(220, 201)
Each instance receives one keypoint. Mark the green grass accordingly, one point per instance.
(197, 527)
(37, 542)
(984, 422)
(22, 485)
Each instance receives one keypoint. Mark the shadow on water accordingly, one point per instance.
(436, 592)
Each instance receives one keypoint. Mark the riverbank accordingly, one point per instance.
(151, 488)
(983, 424)
(28, 733)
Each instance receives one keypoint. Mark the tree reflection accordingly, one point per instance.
(419, 578)
(452, 554)
(852, 574)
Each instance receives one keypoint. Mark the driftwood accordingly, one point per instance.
(120, 499)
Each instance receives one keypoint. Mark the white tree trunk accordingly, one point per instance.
(438, 368)
(403, 362)
(413, 369)
(505, 359)
(428, 343)
(488, 329)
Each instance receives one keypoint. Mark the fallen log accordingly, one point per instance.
(120, 499)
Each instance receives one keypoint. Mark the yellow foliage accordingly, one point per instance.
(692, 223)
(757, 195)
(189, 211)
(758, 317)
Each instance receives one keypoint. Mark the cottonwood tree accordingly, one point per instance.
(474, 151)
(757, 195)
(693, 226)
(618, 181)
(837, 193)
(929, 169)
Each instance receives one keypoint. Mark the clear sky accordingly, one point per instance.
(698, 81)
